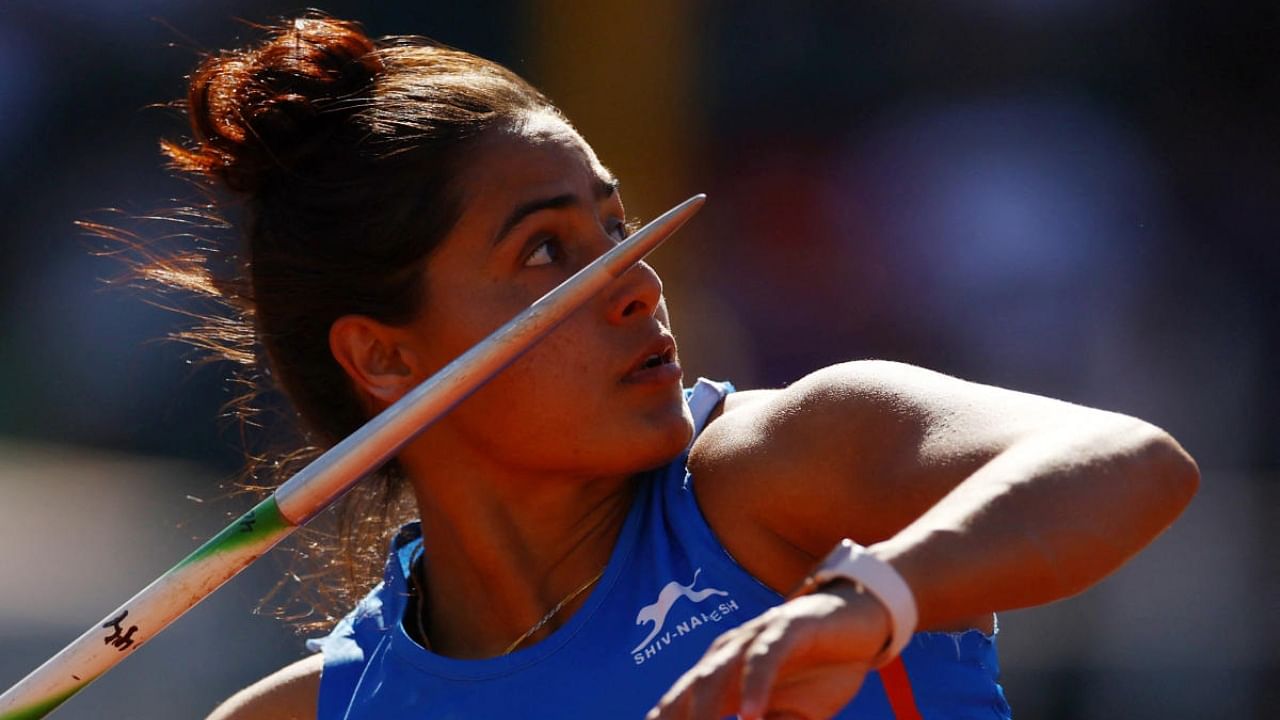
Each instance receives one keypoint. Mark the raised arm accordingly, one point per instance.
(983, 499)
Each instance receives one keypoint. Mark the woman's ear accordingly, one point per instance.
(380, 365)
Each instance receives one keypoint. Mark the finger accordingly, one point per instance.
(692, 701)
(817, 692)
(716, 693)
(737, 635)
(697, 693)
(674, 702)
(760, 665)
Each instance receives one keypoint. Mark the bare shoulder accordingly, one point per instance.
(857, 449)
(877, 408)
(752, 423)
(287, 694)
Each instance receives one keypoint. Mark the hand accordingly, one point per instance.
(804, 659)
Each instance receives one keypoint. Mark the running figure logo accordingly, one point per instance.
(673, 591)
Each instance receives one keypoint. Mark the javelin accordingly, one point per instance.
(319, 484)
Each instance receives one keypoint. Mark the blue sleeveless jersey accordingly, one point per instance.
(669, 589)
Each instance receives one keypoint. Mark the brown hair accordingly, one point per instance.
(343, 152)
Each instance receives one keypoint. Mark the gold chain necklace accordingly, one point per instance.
(552, 613)
(420, 591)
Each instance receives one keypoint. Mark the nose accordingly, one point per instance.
(636, 295)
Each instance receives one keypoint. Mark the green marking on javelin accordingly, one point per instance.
(44, 707)
(264, 520)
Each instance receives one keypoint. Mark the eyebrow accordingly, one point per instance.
(605, 188)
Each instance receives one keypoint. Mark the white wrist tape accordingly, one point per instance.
(851, 561)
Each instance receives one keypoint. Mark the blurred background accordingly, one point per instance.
(1076, 198)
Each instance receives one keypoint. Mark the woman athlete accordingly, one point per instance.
(594, 541)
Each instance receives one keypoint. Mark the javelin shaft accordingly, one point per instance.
(319, 484)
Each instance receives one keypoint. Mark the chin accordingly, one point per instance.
(669, 439)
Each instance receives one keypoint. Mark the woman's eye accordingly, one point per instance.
(545, 254)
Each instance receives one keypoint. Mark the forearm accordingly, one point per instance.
(1043, 520)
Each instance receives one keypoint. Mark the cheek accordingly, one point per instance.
(457, 319)
(540, 400)
(556, 377)
(548, 376)
(559, 404)
(556, 408)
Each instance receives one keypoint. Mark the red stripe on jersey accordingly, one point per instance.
(898, 687)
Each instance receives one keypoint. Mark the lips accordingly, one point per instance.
(656, 363)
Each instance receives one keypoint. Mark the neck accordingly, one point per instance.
(504, 547)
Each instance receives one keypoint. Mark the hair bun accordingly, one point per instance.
(256, 110)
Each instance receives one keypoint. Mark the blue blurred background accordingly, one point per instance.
(1075, 198)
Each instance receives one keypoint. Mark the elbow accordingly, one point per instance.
(1172, 476)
